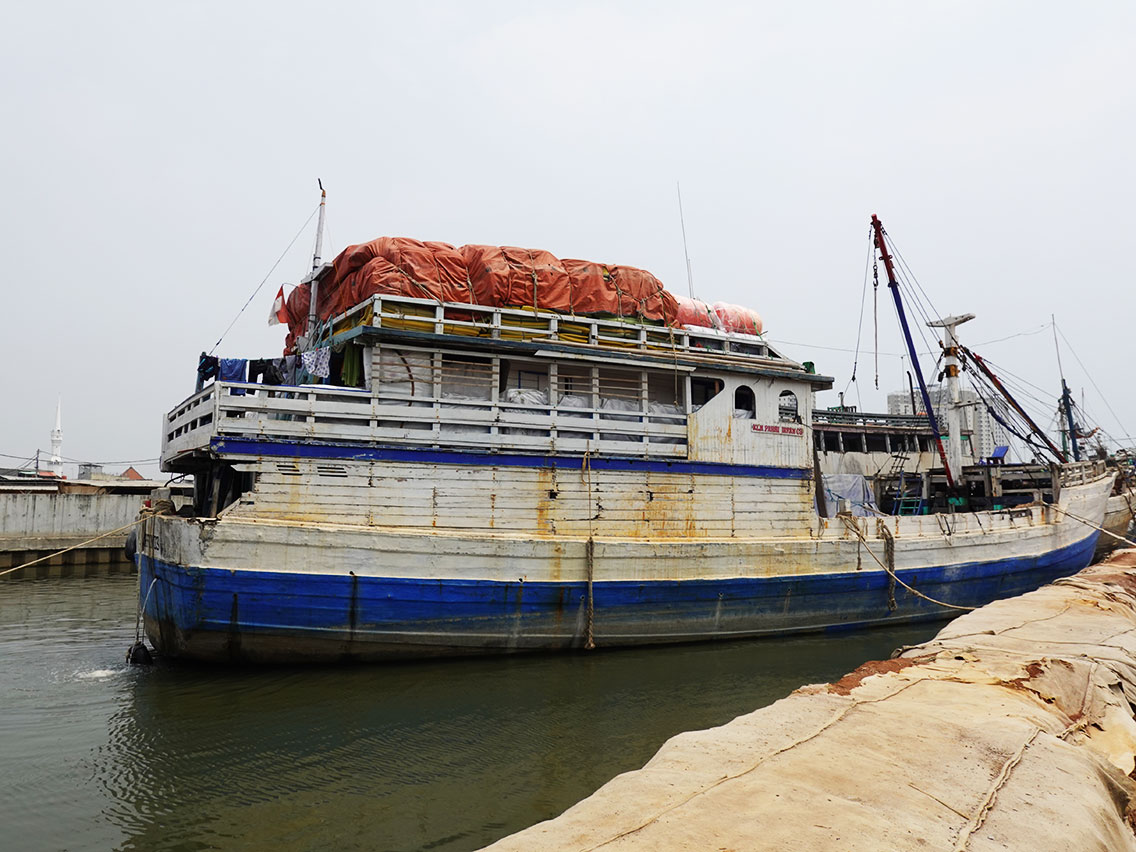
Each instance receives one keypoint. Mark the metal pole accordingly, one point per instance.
(314, 286)
(951, 369)
(893, 285)
(1068, 404)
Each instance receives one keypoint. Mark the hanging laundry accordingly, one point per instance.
(272, 374)
(256, 369)
(264, 370)
(233, 370)
(317, 361)
(352, 366)
(207, 367)
(287, 367)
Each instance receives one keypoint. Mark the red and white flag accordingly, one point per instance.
(278, 314)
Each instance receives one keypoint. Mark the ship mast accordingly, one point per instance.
(1066, 402)
(893, 285)
(951, 370)
(316, 258)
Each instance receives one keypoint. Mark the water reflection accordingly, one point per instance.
(445, 756)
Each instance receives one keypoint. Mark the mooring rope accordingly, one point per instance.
(1088, 523)
(891, 572)
(163, 507)
(72, 547)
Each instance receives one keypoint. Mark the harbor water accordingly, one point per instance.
(448, 756)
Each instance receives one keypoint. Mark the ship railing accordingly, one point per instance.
(332, 414)
(917, 422)
(1079, 473)
(190, 425)
(523, 324)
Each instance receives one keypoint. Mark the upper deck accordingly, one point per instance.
(513, 380)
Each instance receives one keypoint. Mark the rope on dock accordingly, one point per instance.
(146, 513)
(891, 571)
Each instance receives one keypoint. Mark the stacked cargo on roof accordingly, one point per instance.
(504, 276)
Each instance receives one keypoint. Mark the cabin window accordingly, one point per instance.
(831, 442)
(787, 407)
(877, 443)
(702, 391)
(744, 405)
(852, 442)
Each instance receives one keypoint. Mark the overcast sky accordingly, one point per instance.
(157, 159)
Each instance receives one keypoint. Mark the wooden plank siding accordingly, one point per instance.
(541, 501)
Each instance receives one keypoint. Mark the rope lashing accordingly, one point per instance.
(1088, 523)
(852, 527)
(590, 557)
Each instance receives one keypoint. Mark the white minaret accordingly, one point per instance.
(57, 441)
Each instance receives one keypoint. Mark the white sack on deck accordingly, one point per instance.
(528, 396)
(405, 373)
(1012, 729)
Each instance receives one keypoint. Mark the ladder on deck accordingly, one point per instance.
(903, 504)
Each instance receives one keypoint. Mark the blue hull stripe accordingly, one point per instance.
(269, 615)
(370, 452)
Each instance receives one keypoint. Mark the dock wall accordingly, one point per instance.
(35, 525)
(1012, 729)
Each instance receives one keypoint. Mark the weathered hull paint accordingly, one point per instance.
(1117, 520)
(275, 616)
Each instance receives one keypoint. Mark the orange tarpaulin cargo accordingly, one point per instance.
(501, 276)
(507, 276)
(695, 312)
(738, 319)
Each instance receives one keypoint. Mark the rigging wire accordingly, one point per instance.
(27, 460)
(1092, 381)
(860, 325)
(263, 280)
(876, 316)
(1044, 327)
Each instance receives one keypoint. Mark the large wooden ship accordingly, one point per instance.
(511, 478)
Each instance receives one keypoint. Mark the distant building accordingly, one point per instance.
(982, 429)
(131, 473)
(90, 470)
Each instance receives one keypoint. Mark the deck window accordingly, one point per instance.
(702, 391)
(744, 405)
(877, 443)
(787, 407)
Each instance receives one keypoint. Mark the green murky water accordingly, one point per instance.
(97, 755)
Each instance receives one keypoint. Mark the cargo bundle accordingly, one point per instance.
(502, 276)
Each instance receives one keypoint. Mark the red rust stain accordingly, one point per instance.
(1122, 579)
(1033, 670)
(850, 681)
(545, 514)
(1123, 558)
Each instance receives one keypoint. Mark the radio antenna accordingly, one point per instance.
(685, 251)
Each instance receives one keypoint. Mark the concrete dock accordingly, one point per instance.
(45, 517)
(1012, 729)
(35, 525)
